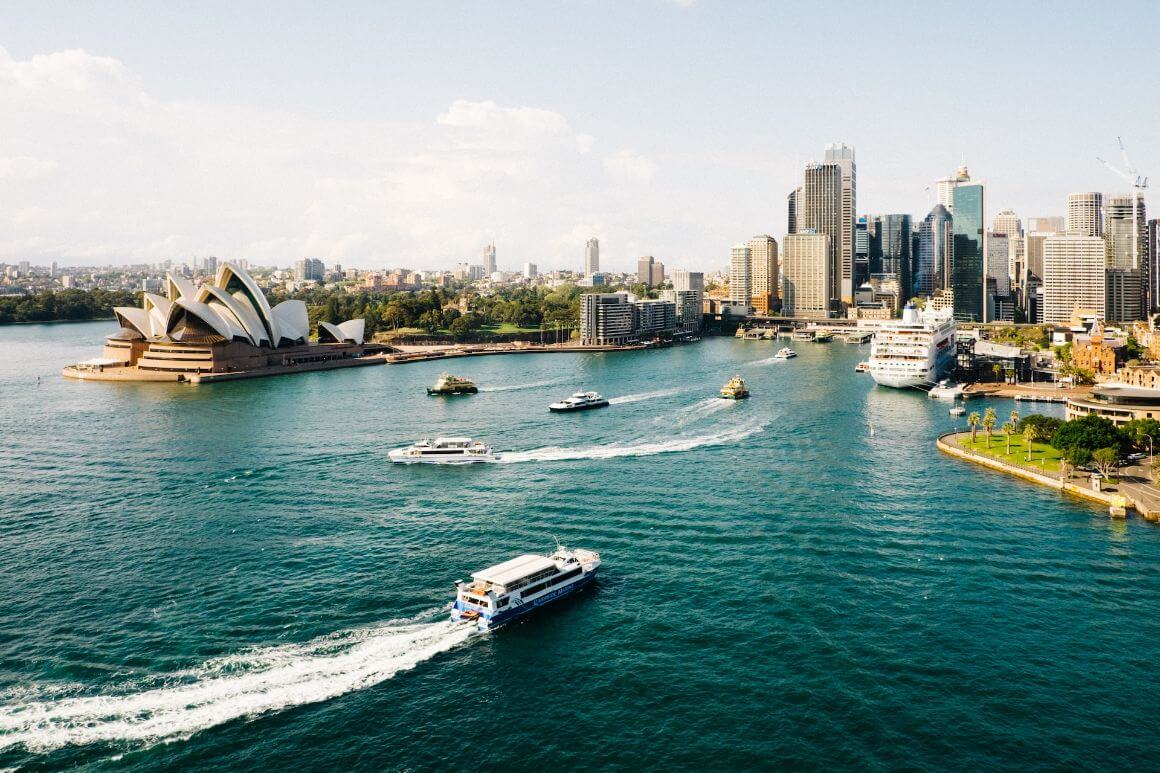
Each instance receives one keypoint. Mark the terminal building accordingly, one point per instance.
(224, 326)
(1117, 402)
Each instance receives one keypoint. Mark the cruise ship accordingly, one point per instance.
(915, 351)
(503, 592)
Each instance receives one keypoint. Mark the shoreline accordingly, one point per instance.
(1117, 500)
(452, 351)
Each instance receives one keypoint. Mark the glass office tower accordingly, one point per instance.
(968, 277)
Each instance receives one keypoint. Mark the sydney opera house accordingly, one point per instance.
(222, 329)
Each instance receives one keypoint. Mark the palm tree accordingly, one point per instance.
(973, 420)
(989, 421)
(1030, 435)
(1014, 418)
(1009, 430)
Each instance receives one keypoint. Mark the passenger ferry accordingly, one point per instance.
(444, 450)
(735, 389)
(581, 401)
(914, 351)
(447, 384)
(501, 593)
(785, 353)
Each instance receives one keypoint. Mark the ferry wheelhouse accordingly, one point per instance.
(501, 593)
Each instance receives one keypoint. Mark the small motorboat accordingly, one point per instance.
(785, 353)
(735, 389)
(862, 367)
(958, 410)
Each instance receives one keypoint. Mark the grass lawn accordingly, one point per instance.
(510, 327)
(1018, 455)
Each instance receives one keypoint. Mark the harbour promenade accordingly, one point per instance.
(1132, 487)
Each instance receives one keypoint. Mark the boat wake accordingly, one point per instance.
(699, 410)
(766, 361)
(636, 398)
(245, 684)
(532, 385)
(615, 450)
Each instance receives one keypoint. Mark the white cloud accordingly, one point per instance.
(26, 168)
(626, 166)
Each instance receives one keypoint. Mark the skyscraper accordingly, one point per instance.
(591, 256)
(309, 269)
(644, 267)
(822, 213)
(793, 210)
(1124, 249)
(1007, 222)
(805, 259)
(489, 259)
(861, 251)
(998, 263)
(694, 281)
(896, 255)
(1074, 276)
(933, 262)
(740, 269)
(763, 272)
(1053, 224)
(1085, 213)
(657, 274)
(843, 156)
(946, 187)
(968, 278)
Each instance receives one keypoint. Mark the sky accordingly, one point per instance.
(386, 134)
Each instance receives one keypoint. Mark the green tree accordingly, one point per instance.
(1138, 431)
(1046, 424)
(1031, 433)
(1106, 460)
(1090, 432)
(989, 422)
(973, 422)
(1009, 429)
(1077, 457)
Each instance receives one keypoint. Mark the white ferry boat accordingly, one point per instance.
(581, 401)
(914, 351)
(785, 353)
(503, 592)
(444, 450)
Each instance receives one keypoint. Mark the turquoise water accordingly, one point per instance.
(233, 576)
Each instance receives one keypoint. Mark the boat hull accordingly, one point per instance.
(398, 457)
(742, 396)
(457, 391)
(491, 622)
(585, 407)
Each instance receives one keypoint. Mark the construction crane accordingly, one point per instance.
(1139, 184)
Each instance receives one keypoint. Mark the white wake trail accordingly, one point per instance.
(532, 385)
(636, 398)
(242, 685)
(615, 450)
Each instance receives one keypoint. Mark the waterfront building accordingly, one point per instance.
(653, 317)
(843, 156)
(1007, 222)
(805, 269)
(591, 256)
(740, 270)
(968, 278)
(1085, 213)
(1117, 402)
(225, 325)
(606, 319)
(763, 276)
(489, 266)
(1074, 276)
(687, 308)
(1097, 352)
(694, 281)
(822, 213)
(933, 261)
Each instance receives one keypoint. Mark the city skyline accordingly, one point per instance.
(199, 137)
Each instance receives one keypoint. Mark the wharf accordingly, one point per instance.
(442, 352)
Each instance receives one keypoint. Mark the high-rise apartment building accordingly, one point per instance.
(1085, 213)
(1007, 222)
(489, 260)
(606, 318)
(843, 156)
(591, 256)
(740, 270)
(657, 274)
(644, 270)
(1074, 276)
(309, 270)
(822, 213)
(692, 281)
(968, 271)
(933, 261)
(805, 263)
(763, 281)
(530, 271)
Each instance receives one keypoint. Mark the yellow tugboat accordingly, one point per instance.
(452, 385)
(735, 389)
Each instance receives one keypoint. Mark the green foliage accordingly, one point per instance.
(1135, 351)
(1025, 337)
(1048, 424)
(1077, 457)
(1137, 431)
(49, 306)
(1063, 353)
(1106, 460)
(1090, 432)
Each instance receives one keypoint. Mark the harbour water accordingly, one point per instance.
(232, 575)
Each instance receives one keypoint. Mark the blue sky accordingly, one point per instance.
(407, 134)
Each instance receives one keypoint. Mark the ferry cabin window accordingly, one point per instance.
(554, 581)
(480, 602)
